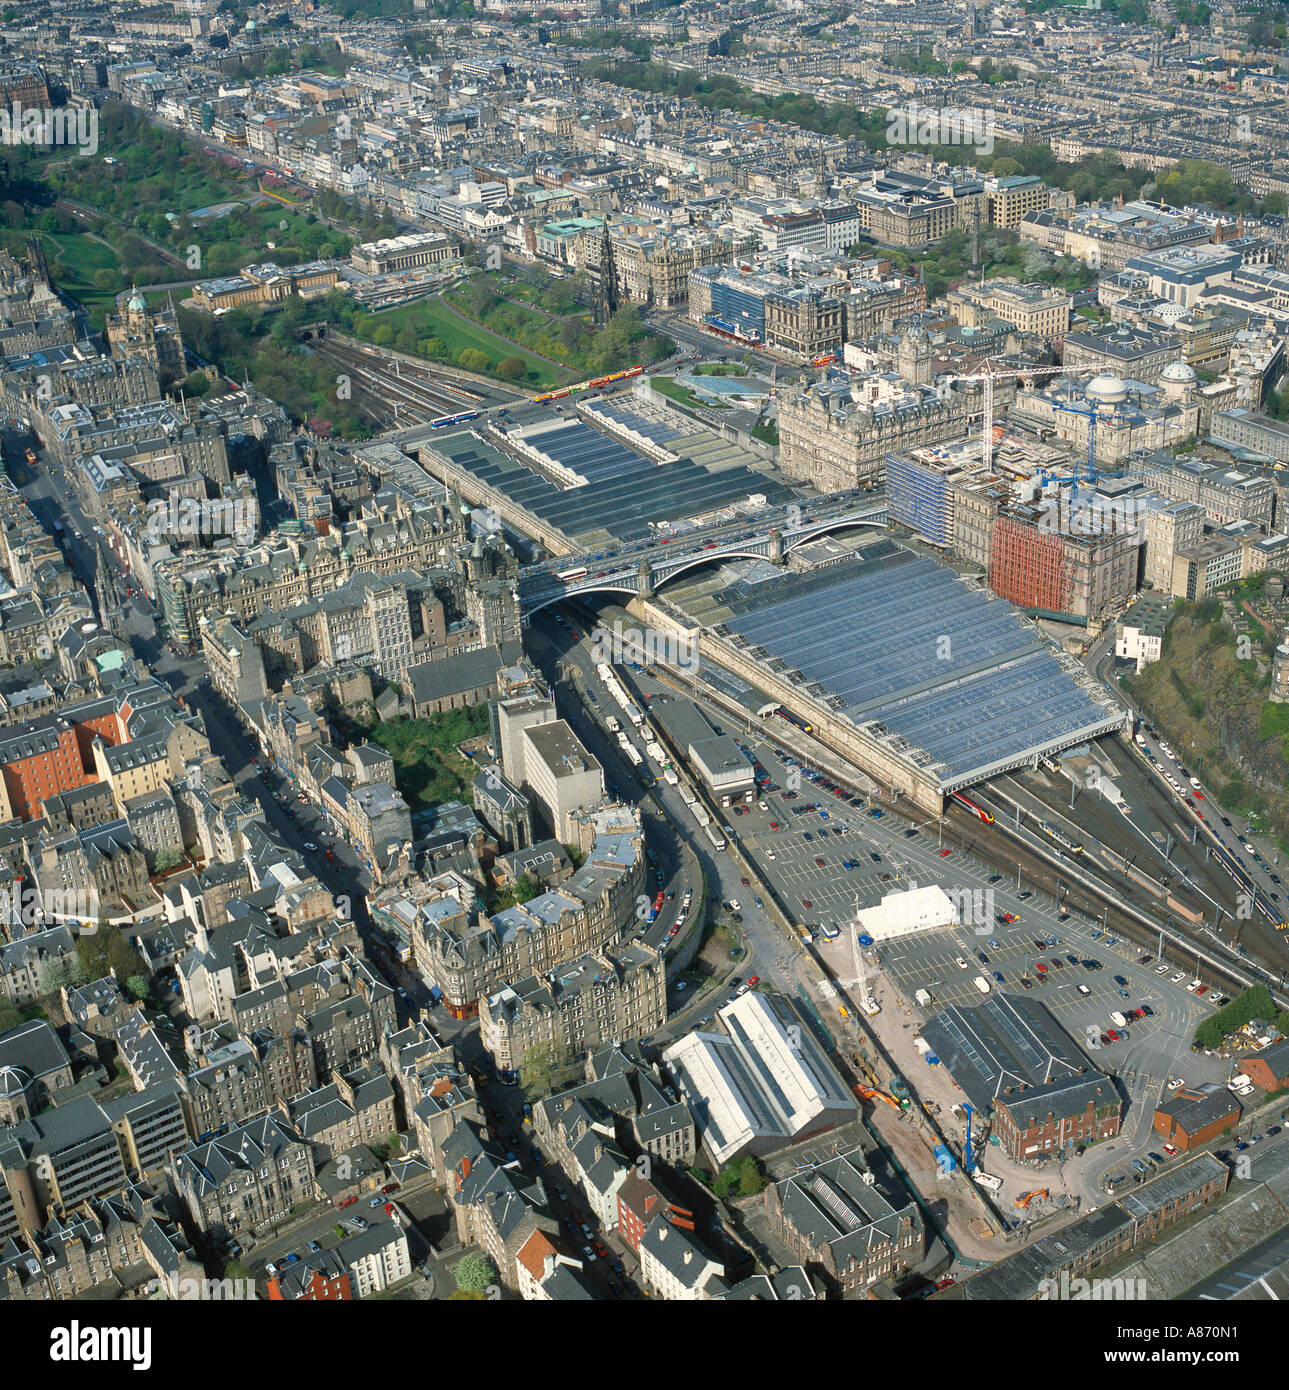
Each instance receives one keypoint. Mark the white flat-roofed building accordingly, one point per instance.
(917, 909)
(760, 1083)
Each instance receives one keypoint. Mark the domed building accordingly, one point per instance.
(33, 1066)
(1106, 390)
(1178, 381)
(150, 335)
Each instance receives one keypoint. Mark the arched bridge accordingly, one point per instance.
(642, 569)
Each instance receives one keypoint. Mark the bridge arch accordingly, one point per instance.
(832, 524)
(577, 593)
(706, 557)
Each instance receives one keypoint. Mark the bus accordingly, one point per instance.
(568, 576)
(795, 719)
(975, 810)
(715, 837)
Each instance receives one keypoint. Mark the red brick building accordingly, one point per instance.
(1196, 1114)
(55, 755)
(1070, 1110)
(1270, 1067)
(639, 1201)
(322, 1280)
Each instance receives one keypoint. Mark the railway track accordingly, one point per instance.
(376, 388)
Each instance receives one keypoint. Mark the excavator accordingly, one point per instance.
(871, 1093)
(1026, 1198)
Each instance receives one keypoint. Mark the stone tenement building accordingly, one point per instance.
(294, 566)
(581, 1005)
(470, 956)
(837, 436)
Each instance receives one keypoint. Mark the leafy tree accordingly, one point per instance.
(525, 889)
(546, 1067)
(474, 360)
(137, 986)
(511, 368)
(474, 1273)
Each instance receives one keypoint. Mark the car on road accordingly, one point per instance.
(311, 847)
(745, 883)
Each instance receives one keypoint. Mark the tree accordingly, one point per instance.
(546, 1067)
(473, 360)
(525, 889)
(475, 1273)
(511, 368)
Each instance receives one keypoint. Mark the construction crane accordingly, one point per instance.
(866, 1000)
(987, 379)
